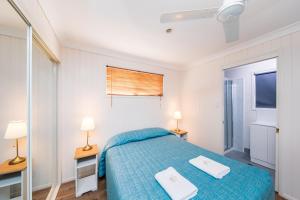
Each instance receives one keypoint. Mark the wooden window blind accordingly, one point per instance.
(120, 81)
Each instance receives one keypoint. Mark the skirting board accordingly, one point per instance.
(286, 196)
(262, 163)
(229, 150)
(68, 180)
(41, 187)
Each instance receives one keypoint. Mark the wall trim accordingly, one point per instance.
(41, 187)
(292, 28)
(37, 38)
(286, 196)
(66, 180)
(251, 60)
(123, 56)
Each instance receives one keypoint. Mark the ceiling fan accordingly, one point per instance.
(228, 14)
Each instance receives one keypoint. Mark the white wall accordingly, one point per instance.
(12, 91)
(82, 85)
(202, 101)
(246, 73)
(288, 116)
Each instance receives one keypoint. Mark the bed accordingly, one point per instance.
(130, 160)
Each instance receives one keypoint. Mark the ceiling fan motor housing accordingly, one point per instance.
(230, 10)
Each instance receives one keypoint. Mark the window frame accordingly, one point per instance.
(253, 83)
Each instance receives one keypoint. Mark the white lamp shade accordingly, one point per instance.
(87, 124)
(177, 115)
(15, 129)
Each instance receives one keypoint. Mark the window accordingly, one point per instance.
(121, 81)
(265, 85)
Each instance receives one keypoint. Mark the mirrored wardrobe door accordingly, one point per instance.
(13, 104)
(44, 138)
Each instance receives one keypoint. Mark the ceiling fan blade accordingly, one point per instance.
(188, 15)
(232, 29)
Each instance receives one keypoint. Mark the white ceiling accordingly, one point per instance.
(133, 27)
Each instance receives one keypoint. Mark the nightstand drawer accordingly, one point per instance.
(83, 162)
(86, 171)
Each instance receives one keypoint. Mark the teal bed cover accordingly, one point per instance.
(130, 160)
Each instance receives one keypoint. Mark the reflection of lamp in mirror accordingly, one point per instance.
(16, 130)
(87, 125)
(177, 116)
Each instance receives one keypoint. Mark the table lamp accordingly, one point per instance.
(87, 125)
(16, 130)
(177, 116)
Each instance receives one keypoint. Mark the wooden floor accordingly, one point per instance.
(67, 192)
(40, 194)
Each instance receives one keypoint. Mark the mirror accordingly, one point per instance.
(13, 104)
(44, 137)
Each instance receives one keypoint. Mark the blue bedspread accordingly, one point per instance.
(131, 164)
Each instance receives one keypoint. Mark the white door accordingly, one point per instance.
(258, 142)
(271, 145)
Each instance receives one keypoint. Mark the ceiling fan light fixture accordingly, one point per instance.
(228, 15)
(230, 9)
(169, 30)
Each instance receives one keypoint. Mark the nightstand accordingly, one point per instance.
(86, 170)
(13, 181)
(181, 133)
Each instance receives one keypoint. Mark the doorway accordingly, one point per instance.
(250, 114)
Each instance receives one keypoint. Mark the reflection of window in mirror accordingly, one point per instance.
(13, 126)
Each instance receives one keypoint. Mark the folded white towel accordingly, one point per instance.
(211, 167)
(177, 187)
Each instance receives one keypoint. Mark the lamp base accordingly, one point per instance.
(87, 147)
(177, 130)
(17, 160)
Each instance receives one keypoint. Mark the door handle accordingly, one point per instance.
(277, 130)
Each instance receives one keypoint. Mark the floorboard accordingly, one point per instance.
(67, 192)
(40, 194)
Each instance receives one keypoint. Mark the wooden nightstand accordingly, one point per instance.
(86, 170)
(13, 181)
(181, 133)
